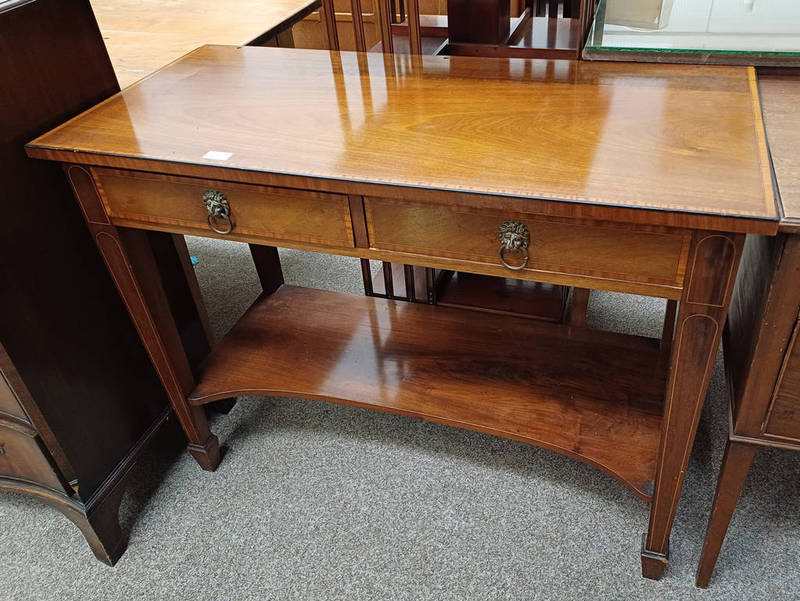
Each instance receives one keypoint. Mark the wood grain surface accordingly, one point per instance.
(587, 248)
(144, 35)
(780, 100)
(139, 199)
(671, 138)
(430, 362)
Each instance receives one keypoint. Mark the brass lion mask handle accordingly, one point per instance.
(514, 237)
(219, 212)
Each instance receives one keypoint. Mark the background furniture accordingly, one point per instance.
(595, 396)
(543, 29)
(762, 352)
(144, 35)
(729, 32)
(79, 399)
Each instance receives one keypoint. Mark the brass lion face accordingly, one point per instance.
(217, 204)
(513, 235)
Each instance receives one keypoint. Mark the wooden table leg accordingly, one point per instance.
(129, 257)
(668, 331)
(735, 466)
(711, 273)
(268, 267)
(580, 305)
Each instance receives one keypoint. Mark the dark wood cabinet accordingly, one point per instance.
(762, 351)
(79, 398)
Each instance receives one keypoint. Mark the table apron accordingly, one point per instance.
(602, 255)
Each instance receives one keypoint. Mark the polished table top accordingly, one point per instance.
(746, 31)
(144, 35)
(672, 138)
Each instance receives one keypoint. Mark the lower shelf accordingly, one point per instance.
(595, 396)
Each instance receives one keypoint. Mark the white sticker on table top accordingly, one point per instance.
(217, 155)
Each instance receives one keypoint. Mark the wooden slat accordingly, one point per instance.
(329, 14)
(358, 26)
(388, 280)
(366, 275)
(414, 35)
(410, 287)
(385, 25)
(430, 283)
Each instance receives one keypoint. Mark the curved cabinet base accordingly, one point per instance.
(99, 522)
(98, 517)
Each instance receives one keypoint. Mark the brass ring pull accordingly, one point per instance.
(514, 236)
(218, 211)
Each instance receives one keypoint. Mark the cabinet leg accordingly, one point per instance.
(99, 524)
(735, 466)
(711, 273)
(104, 534)
(130, 259)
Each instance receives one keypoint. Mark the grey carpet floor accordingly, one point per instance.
(318, 501)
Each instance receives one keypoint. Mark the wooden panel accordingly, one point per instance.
(23, 457)
(506, 296)
(91, 391)
(783, 418)
(142, 199)
(590, 249)
(497, 374)
(780, 97)
(478, 22)
(666, 137)
(8, 401)
(760, 327)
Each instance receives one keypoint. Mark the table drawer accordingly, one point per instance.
(8, 401)
(602, 250)
(783, 418)
(136, 199)
(22, 457)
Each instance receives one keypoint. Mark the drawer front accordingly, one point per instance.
(8, 401)
(22, 457)
(140, 199)
(783, 418)
(580, 248)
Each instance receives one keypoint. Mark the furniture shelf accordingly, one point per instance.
(595, 396)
